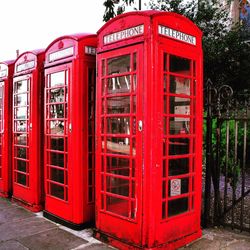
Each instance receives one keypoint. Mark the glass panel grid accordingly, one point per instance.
(178, 135)
(56, 140)
(21, 116)
(118, 176)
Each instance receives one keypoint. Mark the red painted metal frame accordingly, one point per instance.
(6, 126)
(76, 55)
(163, 219)
(27, 141)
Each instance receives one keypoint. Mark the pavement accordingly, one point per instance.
(21, 229)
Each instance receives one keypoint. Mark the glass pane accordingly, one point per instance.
(117, 206)
(178, 187)
(180, 65)
(119, 125)
(21, 86)
(21, 139)
(179, 146)
(177, 206)
(56, 143)
(21, 113)
(22, 179)
(117, 186)
(134, 62)
(57, 79)
(180, 85)
(57, 191)
(56, 95)
(118, 166)
(57, 159)
(21, 126)
(121, 84)
(178, 166)
(21, 165)
(118, 145)
(179, 106)
(57, 175)
(56, 111)
(179, 125)
(119, 65)
(21, 100)
(165, 61)
(119, 104)
(21, 153)
(56, 127)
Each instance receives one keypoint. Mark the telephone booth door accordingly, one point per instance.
(57, 115)
(149, 131)
(69, 130)
(6, 76)
(21, 136)
(27, 131)
(120, 145)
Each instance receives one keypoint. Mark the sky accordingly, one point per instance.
(33, 24)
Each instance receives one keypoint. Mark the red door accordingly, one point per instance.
(21, 138)
(119, 143)
(1, 130)
(180, 175)
(57, 130)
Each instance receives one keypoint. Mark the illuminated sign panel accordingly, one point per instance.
(177, 35)
(123, 34)
(61, 54)
(3, 70)
(90, 50)
(25, 66)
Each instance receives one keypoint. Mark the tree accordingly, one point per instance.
(226, 55)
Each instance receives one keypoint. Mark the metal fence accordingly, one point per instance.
(227, 158)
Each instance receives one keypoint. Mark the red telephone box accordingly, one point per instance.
(149, 131)
(27, 130)
(6, 76)
(69, 130)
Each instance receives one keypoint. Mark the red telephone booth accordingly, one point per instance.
(27, 130)
(149, 131)
(69, 130)
(6, 76)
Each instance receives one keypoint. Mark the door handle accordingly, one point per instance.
(140, 125)
(70, 127)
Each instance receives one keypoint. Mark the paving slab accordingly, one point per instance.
(52, 239)
(5, 204)
(12, 245)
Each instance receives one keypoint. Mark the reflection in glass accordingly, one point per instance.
(57, 143)
(57, 175)
(21, 165)
(179, 106)
(177, 206)
(21, 113)
(180, 65)
(180, 85)
(21, 126)
(56, 111)
(179, 125)
(57, 159)
(21, 100)
(21, 139)
(57, 191)
(118, 125)
(22, 152)
(119, 104)
(57, 95)
(57, 79)
(21, 86)
(119, 84)
(178, 166)
(118, 145)
(22, 179)
(117, 206)
(57, 127)
(119, 65)
(117, 186)
(118, 166)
